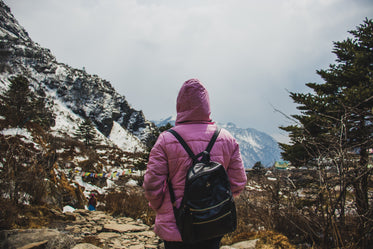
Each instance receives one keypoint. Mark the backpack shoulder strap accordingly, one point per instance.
(204, 153)
(191, 155)
(183, 143)
(213, 139)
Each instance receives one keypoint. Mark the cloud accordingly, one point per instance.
(246, 52)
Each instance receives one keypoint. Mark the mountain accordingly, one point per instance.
(171, 120)
(49, 165)
(76, 94)
(254, 145)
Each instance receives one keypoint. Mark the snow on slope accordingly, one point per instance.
(124, 139)
(76, 94)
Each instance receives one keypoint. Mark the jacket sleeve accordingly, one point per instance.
(155, 179)
(236, 172)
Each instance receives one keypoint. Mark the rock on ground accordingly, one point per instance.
(250, 244)
(87, 230)
(92, 230)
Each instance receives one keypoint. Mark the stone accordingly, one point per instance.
(76, 229)
(249, 244)
(35, 245)
(147, 246)
(20, 238)
(122, 228)
(36, 238)
(82, 212)
(107, 236)
(149, 234)
(85, 246)
(136, 247)
(116, 243)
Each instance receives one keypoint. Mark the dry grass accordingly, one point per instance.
(28, 216)
(271, 239)
(8, 214)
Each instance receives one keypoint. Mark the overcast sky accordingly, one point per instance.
(247, 53)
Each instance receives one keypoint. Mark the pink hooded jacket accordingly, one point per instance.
(168, 157)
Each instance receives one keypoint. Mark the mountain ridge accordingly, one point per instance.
(74, 92)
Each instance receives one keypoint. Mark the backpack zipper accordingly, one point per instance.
(217, 218)
(204, 209)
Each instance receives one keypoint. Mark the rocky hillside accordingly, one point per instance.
(52, 166)
(76, 95)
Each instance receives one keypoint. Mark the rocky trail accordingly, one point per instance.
(85, 229)
(90, 230)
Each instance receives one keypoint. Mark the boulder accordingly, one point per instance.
(34, 238)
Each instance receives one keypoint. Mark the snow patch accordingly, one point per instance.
(248, 139)
(17, 131)
(124, 139)
(61, 71)
(131, 183)
(68, 209)
(24, 134)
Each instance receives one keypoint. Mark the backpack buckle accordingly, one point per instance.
(205, 157)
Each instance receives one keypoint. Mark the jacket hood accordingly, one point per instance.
(193, 103)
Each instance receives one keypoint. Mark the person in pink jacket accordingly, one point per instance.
(169, 159)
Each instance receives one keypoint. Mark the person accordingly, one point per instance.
(92, 203)
(168, 159)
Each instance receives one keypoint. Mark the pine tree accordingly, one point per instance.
(165, 127)
(20, 105)
(15, 102)
(259, 168)
(86, 132)
(42, 113)
(336, 120)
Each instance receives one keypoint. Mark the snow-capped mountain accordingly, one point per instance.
(76, 94)
(171, 120)
(254, 145)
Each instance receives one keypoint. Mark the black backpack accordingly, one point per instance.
(207, 209)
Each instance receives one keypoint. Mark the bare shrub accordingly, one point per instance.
(8, 214)
(131, 203)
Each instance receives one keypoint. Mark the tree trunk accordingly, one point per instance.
(362, 202)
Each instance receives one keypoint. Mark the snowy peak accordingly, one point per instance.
(9, 25)
(171, 120)
(254, 145)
